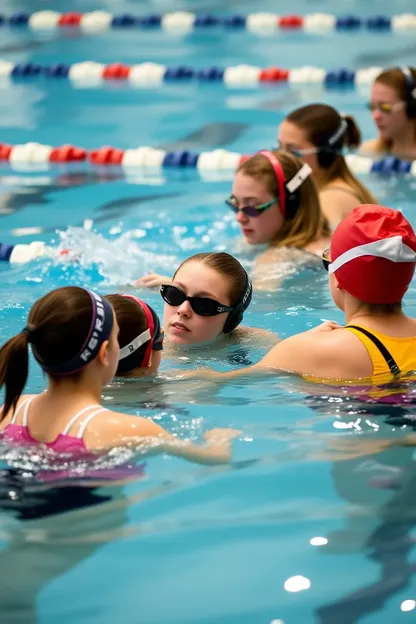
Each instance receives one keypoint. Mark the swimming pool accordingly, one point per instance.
(287, 533)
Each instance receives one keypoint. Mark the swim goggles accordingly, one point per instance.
(307, 151)
(325, 259)
(384, 107)
(249, 211)
(203, 306)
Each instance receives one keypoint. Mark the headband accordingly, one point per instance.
(102, 322)
(152, 335)
(293, 184)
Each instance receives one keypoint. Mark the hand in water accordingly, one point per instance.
(326, 326)
(221, 435)
(153, 280)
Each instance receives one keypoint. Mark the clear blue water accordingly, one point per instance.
(191, 545)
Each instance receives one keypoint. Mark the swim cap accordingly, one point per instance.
(102, 320)
(373, 254)
(130, 357)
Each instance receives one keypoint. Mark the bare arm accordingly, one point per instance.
(153, 280)
(369, 148)
(308, 353)
(121, 430)
(261, 337)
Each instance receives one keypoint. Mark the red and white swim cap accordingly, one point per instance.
(373, 254)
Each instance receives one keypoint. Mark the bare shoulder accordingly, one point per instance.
(336, 203)
(262, 337)
(7, 418)
(369, 147)
(332, 354)
(110, 428)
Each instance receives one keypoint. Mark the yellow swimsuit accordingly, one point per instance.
(397, 351)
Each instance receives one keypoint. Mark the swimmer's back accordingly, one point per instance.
(76, 430)
(343, 354)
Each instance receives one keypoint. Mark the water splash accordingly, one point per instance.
(119, 260)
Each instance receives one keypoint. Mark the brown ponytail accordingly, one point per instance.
(57, 326)
(353, 134)
(320, 122)
(14, 369)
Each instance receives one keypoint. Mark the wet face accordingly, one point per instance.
(182, 325)
(293, 139)
(388, 113)
(248, 191)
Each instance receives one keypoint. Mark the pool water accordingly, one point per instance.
(297, 529)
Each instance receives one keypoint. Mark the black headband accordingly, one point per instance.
(100, 329)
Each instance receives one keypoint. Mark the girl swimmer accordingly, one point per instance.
(74, 338)
(317, 134)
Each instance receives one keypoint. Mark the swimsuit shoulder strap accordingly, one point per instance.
(24, 405)
(76, 416)
(87, 421)
(391, 363)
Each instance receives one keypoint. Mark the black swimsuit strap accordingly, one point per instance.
(391, 363)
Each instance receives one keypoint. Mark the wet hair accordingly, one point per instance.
(308, 223)
(132, 321)
(383, 309)
(58, 325)
(396, 79)
(227, 266)
(321, 123)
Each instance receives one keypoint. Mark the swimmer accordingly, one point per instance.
(74, 338)
(317, 134)
(393, 108)
(371, 263)
(276, 204)
(140, 338)
(205, 302)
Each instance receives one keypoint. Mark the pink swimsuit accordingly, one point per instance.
(66, 444)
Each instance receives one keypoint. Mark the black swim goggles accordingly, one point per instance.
(326, 259)
(204, 306)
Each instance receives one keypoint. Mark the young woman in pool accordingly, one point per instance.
(74, 338)
(371, 263)
(205, 302)
(276, 205)
(317, 134)
(140, 336)
(393, 107)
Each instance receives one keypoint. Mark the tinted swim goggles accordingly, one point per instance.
(249, 211)
(204, 306)
(384, 107)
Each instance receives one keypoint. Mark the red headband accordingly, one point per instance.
(280, 178)
(151, 326)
